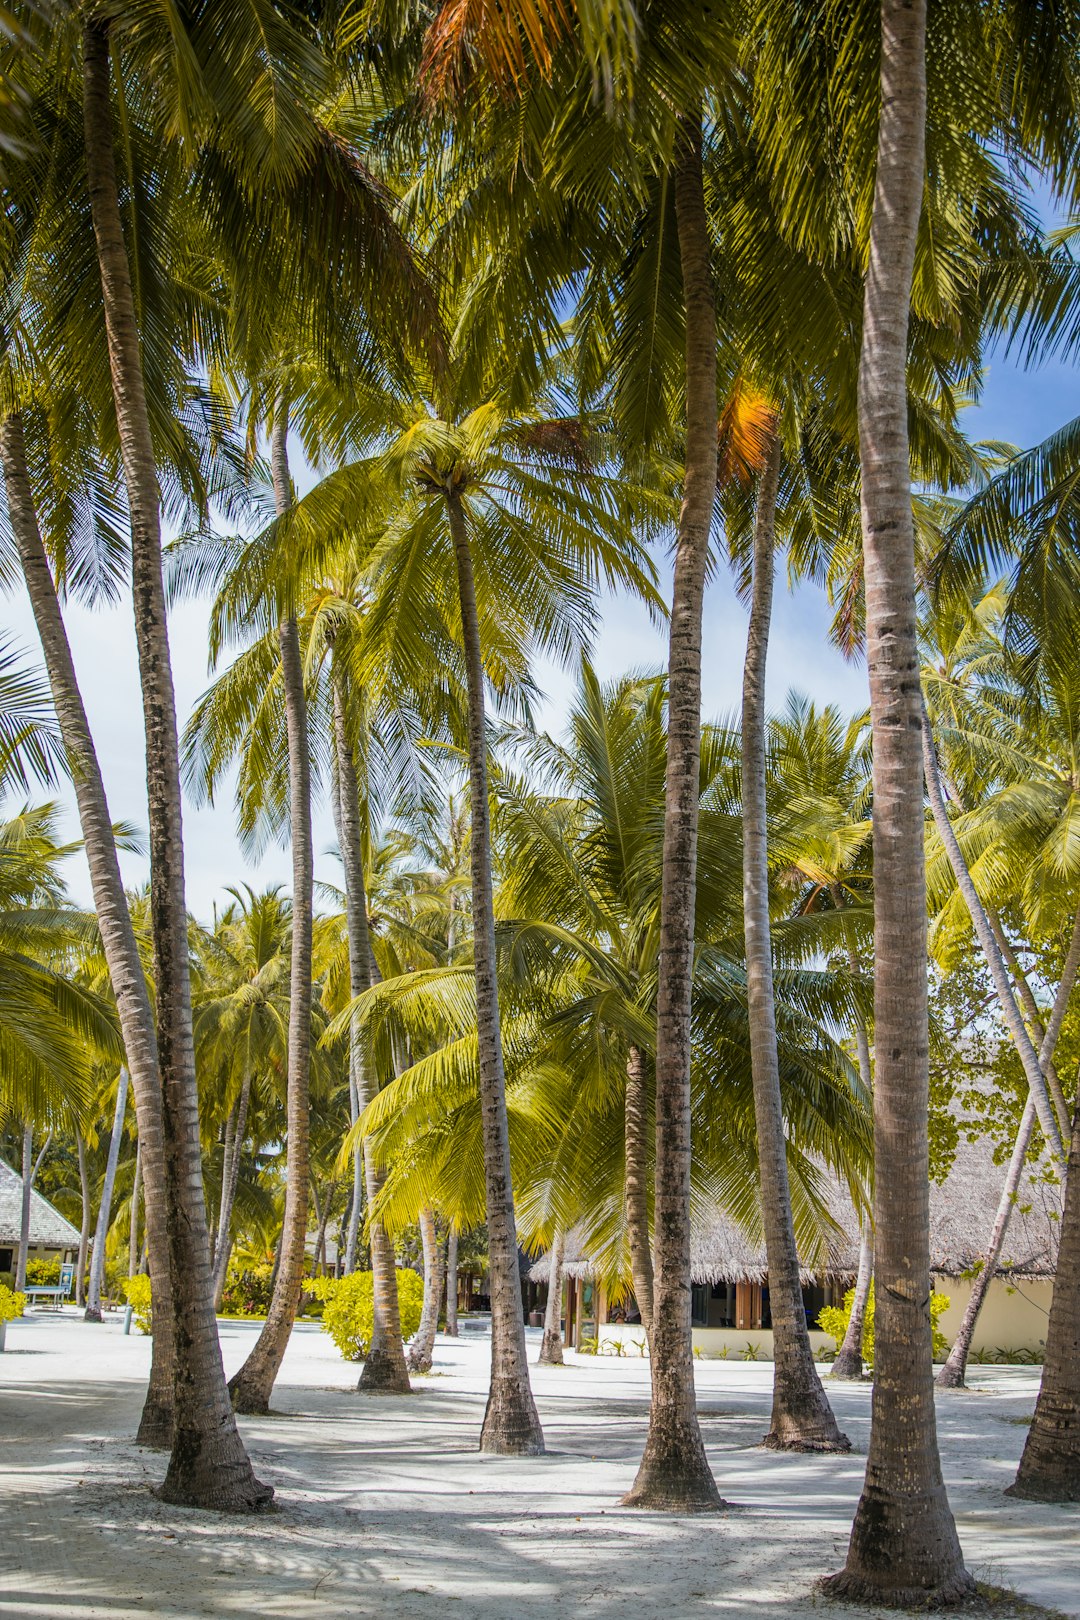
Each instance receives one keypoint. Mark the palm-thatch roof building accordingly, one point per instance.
(51, 1236)
(730, 1271)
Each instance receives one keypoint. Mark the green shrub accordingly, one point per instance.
(11, 1304)
(349, 1308)
(137, 1293)
(43, 1273)
(248, 1292)
(834, 1320)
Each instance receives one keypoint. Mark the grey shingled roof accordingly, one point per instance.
(48, 1228)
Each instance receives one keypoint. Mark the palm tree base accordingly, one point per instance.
(807, 1443)
(958, 1594)
(511, 1422)
(847, 1369)
(421, 1362)
(155, 1430)
(197, 1478)
(904, 1554)
(1050, 1467)
(674, 1474)
(551, 1351)
(951, 1377)
(384, 1374)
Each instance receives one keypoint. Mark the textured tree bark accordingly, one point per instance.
(849, 1358)
(252, 1386)
(511, 1424)
(451, 1283)
(24, 1208)
(1050, 1466)
(802, 1419)
(97, 1262)
(133, 1224)
(114, 920)
(84, 1229)
(551, 1348)
(423, 1345)
(208, 1466)
(637, 1185)
(904, 1548)
(674, 1473)
(384, 1370)
(1029, 1058)
(226, 1167)
(230, 1181)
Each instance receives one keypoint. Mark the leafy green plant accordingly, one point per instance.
(12, 1304)
(750, 1352)
(43, 1273)
(248, 1292)
(641, 1346)
(137, 1293)
(349, 1308)
(589, 1347)
(833, 1319)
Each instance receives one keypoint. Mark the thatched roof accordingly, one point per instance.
(48, 1228)
(961, 1215)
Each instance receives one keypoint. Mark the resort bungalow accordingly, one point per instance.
(730, 1300)
(51, 1236)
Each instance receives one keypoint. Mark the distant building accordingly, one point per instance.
(51, 1236)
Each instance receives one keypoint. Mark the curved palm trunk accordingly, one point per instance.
(802, 1419)
(208, 1466)
(674, 1473)
(114, 919)
(423, 1345)
(251, 1387)
(551, 1349)
(84, 1230)
(1029, 1058)
(97, 1263)
(356, 1201)
(849, 1357)
(133, 1224)
(1050, 1466)
(954, 1372)
(24, 1210)
(384, 1369)
(230, 1181)
(511, 1424)
(451, 1283)
(1031, 1006)
(904, 1548)
(636, 1118)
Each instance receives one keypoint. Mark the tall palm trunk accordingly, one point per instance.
(252, 1385)
(230, 1182)
(904, 1548)
(674, 1472)
(1050, 1466)
(802, 1419)
(635, 1128)
(84, 1229)
(954, 1372)
(849, 1357)
(451, 1283)
(356, 1200)
(384, 1368)
(133, 1222)
(423, 1345)
(1031, 1006)
(1029, 1058)
(114, 919)
(511, 1423)
(24, 1208)
(551, 1348)
(97, 1263)
(208, 1466)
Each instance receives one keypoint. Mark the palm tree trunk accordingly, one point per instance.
(423, 1345)
(1050, 1466)
(24, 1212)
(352, 1228)
(114, 920)
(451, 1283)
(133, 1224)
(84, 1230)
(384, 1369)
(230, 1181)
(511, 1423)
(252, 1385)
(208, 1466)
(849, 1357)
(226, 1167)
(1031, 1006)
(954, 1373)
(802, 1419)
(674, 1473)
(551, 1349)
(637, 1185)
(904, 1548)
(97, 1262)
(1029, 1058)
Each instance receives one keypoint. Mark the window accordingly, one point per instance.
(699, 1305)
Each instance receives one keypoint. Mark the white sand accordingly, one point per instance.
(387, 1509)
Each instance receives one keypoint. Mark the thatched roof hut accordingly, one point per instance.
(48, 1228)
(962, 1213)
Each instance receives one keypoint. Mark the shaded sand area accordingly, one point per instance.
(385, 1508)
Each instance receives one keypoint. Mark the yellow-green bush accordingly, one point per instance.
(11, 1304)
(834, 1320)
(349, 1308)
(43, 1273)
(137, 1293)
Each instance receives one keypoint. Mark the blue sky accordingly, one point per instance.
(1018, 406)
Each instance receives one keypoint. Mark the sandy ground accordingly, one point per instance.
(385, 1508)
